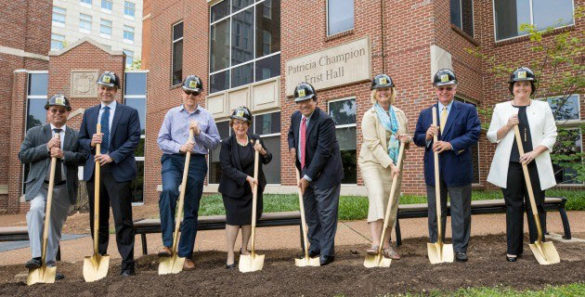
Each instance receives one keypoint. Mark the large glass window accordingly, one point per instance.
(214, 166)
(135, 97)
(462, 15)
(129, 8)
(84, 23)
(106, 28)
(569, 145)
(510, 14)
(474, 149)
(244, 42)
(129, 58)
(59, 16)
(339, 16)
(129, 33)
(57, 41)
(343, 113)
(177, 65)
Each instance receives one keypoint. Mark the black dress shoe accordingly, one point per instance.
(511, 259)
(313, 254)
(230, 266)
(461, 257)
(59, 276)
(33, 263)
(326, 260)
(127, 272)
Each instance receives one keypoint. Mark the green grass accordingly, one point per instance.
(356, 207)
(576, 289)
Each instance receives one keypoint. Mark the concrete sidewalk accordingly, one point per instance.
(348, 233)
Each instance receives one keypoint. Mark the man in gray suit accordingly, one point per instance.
(40, 145)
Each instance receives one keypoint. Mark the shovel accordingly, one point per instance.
(379, 260)
(306, 260)
(96, 267)
(174, 263)
(45, 274)
(253, 262)
(544, 252)
(438, 251)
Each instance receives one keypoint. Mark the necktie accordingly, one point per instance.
(303, 141)
(443, 118)
(58, 176)
(105, 122)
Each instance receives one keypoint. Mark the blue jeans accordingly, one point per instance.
(172, 175)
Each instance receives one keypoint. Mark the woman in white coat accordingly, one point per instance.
(538, 133)
(383, 128)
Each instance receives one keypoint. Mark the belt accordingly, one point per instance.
(56, 184)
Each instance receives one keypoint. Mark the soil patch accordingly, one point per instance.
(413, 273)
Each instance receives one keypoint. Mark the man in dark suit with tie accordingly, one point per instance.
(119, 137)
(40, 145)
(458, 131)
(311, 139)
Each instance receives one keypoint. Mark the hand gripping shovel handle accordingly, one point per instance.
(179, 213)
(437, 183)
(303, 220)
(255, 198)
(96, 194)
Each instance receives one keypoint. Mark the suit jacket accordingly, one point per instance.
(543, 131)
(233, 178)
(124, 138)
(34, 152)
(374, 144)
(323, 159)
(461, 131)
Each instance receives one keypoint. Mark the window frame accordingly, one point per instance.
(105, 9)
(104, 35)
(62, 13)
(62, 41)
(173, 41)
(327, 21)
(343, 126)
(531, 22)
(125, 30)
(133, 15)
(460, 26)
(252, 61)
(83, 19)
(126, 51)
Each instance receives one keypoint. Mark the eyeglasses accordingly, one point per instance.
(445, 88)
(189, 93)
(59, 111)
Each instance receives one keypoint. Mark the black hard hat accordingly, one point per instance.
(522, 74)
(382, 81)
(242, 113)
(193, 83)
(58, 100)
(109, 79)
(444, 77)
(304, 91)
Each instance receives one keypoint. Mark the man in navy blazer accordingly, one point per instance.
(312, 140)
(458, 131)
(119, 137)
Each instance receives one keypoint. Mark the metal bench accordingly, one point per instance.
(19, 234)
(420, 210)
(146, 226)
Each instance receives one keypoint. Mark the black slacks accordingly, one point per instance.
(119, 196)
(516, 197)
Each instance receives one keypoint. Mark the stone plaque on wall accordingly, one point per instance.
(336, 66)
(83, 83)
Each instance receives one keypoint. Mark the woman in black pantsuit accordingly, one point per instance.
(237, 180)
(538, 134)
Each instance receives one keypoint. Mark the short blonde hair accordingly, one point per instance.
(375, 91)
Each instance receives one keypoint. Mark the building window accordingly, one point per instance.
(543, 14)
(569, 145)
(244, 43)
(107, 5)
(135, 97)
(84, 23)
(267, 126)
(177, 64)
(343, 113)
(462, 15)
(57, 41)
(129, 33)
(129, 58)
(59, 16)
(129, 9)
(474, 149)
(106, 28)
(339, 16)
(85, 2)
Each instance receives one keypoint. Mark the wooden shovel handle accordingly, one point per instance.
(179, 213)
(437, 182)
(303, 221)
(96, 193)
(255, 198)
(48, 209)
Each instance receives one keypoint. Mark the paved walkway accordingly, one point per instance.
(348, 233)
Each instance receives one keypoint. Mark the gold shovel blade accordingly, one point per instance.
(95, 267)
(306, 261)
(378, 260)
(545, 253)
(440, 253)
(251, 262)
(43, 274)
(171, 265)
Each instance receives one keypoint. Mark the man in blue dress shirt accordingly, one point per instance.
(173, 140)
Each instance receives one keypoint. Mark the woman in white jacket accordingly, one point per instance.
(538, 133)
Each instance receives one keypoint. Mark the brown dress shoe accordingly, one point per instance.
(164, 252)
(189, 265)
